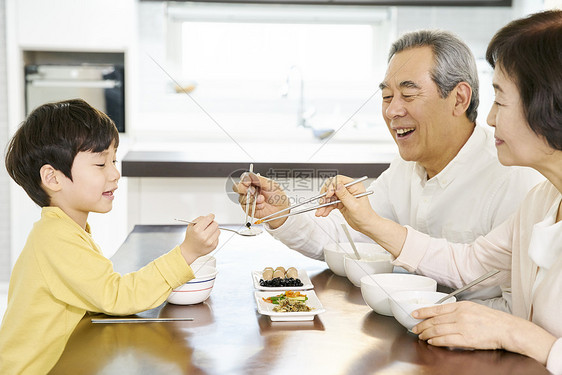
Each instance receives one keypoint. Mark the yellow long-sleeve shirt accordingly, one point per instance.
(59, 276)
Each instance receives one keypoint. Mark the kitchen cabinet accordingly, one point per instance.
(81, 24)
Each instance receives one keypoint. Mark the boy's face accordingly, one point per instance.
(94, 179)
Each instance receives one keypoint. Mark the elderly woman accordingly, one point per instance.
(527, 116)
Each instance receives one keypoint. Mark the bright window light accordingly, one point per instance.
(284, 72)
(265, 51)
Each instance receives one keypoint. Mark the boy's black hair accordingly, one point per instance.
(54, 134)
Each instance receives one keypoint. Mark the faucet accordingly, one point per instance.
(302, 117)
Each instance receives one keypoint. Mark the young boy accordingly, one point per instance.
(63, 155)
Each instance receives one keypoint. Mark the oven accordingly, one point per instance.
(102, 86)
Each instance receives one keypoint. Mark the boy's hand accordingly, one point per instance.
(200, 238)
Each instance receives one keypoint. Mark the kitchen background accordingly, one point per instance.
(265, 83)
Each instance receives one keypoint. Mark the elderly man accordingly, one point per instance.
(447, 181)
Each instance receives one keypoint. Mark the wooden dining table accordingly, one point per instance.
(229, 336)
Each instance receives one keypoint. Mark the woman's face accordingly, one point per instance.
(516, 143)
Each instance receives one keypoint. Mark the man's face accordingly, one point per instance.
(417, 117)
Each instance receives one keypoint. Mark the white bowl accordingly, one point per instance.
(335, 252)
(196, 290)
(376, 297)
(355, 269)
(405, 302)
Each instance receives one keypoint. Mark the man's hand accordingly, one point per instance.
(356, 211)
(270, 196)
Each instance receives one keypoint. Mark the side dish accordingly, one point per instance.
(279, 277)
(289, 301)
(278, 312)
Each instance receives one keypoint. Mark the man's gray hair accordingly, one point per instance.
(454, 62)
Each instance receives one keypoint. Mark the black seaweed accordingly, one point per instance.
(279, 282)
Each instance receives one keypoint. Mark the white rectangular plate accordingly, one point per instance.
(266, 308)
(303, 276)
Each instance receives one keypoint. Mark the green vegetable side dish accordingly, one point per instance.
(289, 295)
(276, 299)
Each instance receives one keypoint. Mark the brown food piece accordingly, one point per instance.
(292, 272)
(267, 273)
(280, 269)
(279, 273)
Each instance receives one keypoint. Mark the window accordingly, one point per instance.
(246, 52)
(261, 70)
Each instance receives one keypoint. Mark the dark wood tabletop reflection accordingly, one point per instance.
(229, 336)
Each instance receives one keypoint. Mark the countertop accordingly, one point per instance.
(226, 159)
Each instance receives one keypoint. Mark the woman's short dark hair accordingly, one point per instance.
(529, 50)
(54, 134)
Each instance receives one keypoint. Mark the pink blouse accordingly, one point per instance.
(526, 248)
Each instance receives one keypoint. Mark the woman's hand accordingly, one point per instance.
(270, 198)
(471, 325)
(200, 238)
(462, 324)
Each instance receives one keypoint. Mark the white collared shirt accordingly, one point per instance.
(544, 245)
